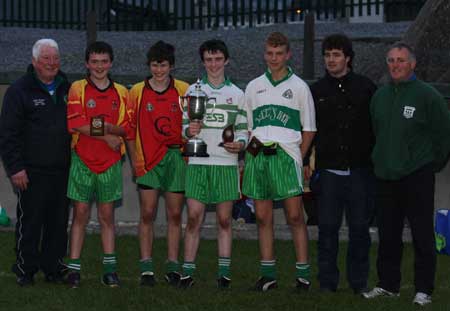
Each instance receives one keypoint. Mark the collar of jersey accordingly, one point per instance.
(226, 82)
(275, 83)
(147, 84)
(91, 83)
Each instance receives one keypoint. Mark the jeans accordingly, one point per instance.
(354, 195)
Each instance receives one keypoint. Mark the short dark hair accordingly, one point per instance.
(161, 51)
(276, 39)
(99, 47)
(213, 46)
(339, 42)
(403, 45)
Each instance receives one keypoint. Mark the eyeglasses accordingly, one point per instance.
(391, 60)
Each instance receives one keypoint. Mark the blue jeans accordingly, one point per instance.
(354, 195)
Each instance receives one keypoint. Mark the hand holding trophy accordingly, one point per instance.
(195, 102)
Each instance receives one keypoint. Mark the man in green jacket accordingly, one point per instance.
(411, 123)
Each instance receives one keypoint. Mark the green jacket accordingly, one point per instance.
(411, 122)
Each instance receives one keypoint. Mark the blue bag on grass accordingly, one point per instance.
(442, 229)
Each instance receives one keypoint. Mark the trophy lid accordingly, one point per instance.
(197, 92)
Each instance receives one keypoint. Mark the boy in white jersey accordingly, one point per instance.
(214, 179)
(280, 112)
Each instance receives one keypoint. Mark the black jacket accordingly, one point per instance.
(33, 126)
(344, 136)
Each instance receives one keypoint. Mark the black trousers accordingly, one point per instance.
(41, 228)
(411, 197)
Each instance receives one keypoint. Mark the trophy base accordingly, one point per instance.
(196, 155)
(195, 147)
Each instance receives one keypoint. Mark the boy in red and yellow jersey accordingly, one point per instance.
(156, 157)
(96, 160)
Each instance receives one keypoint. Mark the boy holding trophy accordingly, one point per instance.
(213, 177)
(98, 120)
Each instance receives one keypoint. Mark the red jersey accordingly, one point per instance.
(86, 101)
(157, 118)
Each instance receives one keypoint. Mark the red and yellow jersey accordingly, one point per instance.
(86, 101)
(156, 117)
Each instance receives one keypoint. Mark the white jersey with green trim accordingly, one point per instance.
(228, 110)
(279, 111)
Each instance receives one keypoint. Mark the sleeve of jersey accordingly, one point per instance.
(307, 110)
(132, 111)
(76, 116)
(125, 122)
(241, 122)
(181, 87)
(248, 108)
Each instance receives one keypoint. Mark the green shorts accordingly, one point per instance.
(168, 175)
(271, 177)
(83, 183)
(212, 184)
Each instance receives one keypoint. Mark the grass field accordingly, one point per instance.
(204, 295)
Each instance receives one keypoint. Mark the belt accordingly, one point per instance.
(255, 146)
(174, 146)
(271, 149)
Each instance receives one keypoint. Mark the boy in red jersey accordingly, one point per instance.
(96, 160)
(156, 157)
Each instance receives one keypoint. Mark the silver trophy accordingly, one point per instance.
(195, 102)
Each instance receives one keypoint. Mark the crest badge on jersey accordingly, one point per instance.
(114, 105)
(229, 100)
(91, 103)
(408, 112)
(149, 107)
(288, 94)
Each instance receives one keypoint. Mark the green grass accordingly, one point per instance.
(204, 295)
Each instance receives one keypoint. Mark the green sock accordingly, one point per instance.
(146, 265)
(74, 264)
(172, 266)
(224, 267)
(303, 270)
(267, 268)
(188, 268)
(109, 263)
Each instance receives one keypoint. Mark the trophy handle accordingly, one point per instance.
(182, 102)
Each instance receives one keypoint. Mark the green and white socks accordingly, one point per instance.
(109, 263)
(267, 269)
(224, 267)
(188, 268)
(303, 270)
(74, 265)
(146, 266)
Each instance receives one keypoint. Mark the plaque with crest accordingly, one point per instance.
(97, 126)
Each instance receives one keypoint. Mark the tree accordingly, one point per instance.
(429, 35)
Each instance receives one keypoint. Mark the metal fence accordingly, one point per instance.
(194, 14)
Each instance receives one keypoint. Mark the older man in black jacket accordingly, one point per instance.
(343, 145)
(35, 149)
